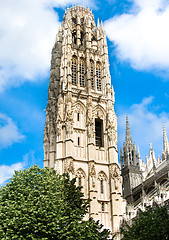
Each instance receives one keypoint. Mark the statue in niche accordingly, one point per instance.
(115, 174)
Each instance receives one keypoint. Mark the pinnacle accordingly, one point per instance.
(128, 133)
(165, 140)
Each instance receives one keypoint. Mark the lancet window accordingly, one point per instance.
(92, 74)
(82, 73)
(101, 186)
(99, 132)
(74, 73)
(98, 76)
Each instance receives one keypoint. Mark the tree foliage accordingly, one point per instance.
(152, 224)
(38, 204)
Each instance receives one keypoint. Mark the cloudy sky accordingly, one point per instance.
(138, 41)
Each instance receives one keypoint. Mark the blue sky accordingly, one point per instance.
(138, 42)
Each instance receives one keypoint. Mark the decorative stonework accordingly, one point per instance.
(102, 176)
(115, 175)
(92, 173)
(69, 166)
(69, 114)
(90, 118)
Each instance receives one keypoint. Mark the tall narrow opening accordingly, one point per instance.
(99, 132)
(82, 73)
(101, 186)
(74, 73)
(98, 76)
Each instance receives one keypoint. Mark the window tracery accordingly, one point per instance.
(92, 74)
(98, 76)
(80, 175)
(82, 73)
(74, 68)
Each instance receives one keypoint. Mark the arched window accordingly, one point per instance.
(80, 181)
(74, 74)
(101, 186)
(92, 74)
(98, 76)
(80, 176)
(81, 73)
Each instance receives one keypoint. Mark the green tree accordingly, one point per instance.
(39, 204)
(151, 224)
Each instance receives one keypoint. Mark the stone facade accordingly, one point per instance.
(80, 135)
(144, 183)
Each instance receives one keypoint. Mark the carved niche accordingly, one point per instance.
(69, 166)
(115, 176)
(111, 125)
(59, 118)
(69, 114)
(90, 118)
(92, 172)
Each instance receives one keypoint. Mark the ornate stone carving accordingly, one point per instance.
(80, 173)
(69, 166)
(92, 173)
(111, 125)
(90, 118)
(69, 114)
(59, 116)
(102, 176)
(115, 175)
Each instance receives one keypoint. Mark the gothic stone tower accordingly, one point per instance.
(130, 168)
(80, 135)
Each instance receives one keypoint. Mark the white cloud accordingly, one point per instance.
(146, 126)
(141, 36)
(9, 132)
(27, 33)
(6, 172)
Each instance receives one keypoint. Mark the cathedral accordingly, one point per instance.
(80, 135)
(144, 183)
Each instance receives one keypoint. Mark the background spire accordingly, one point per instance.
(128, 133)
(165, 140)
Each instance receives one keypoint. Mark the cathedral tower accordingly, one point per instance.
(80, 135)
(130, 167)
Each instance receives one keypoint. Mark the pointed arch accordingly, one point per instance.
(80, 172)
(79, 106)
(99, 111)
(102, 176)
(81, 177)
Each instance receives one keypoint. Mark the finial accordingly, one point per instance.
(138, 151)
(151, 146)
(128, 133)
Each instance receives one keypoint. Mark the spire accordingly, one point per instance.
(128, 133)
(165, 140)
